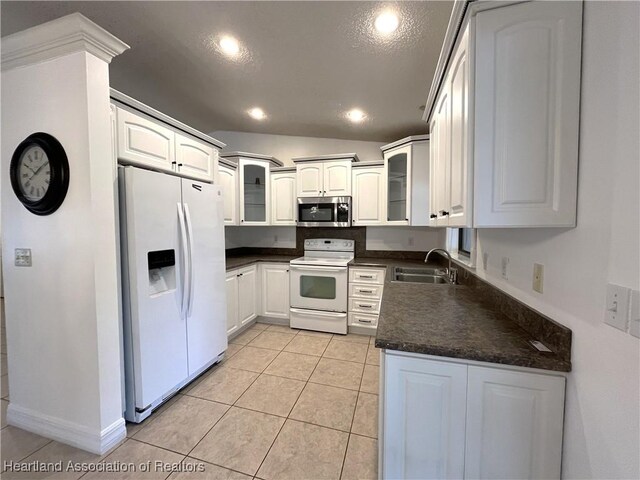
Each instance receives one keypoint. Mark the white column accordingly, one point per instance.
(63, 319)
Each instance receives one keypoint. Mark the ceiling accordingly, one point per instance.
(304, 63)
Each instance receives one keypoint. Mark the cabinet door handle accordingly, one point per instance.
(433, 215)
(444, 213)
(179, 165)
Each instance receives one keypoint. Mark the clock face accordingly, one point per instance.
(39, 173)
(35, 173)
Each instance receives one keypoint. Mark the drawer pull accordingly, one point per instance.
(365, 306)
(366, 276)
(366, 291)
(364, 321)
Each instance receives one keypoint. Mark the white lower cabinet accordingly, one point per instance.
(275, 290)
(514, 424)
(365, 296)
(451, 419)
(424, 418)
(232, 302)
(242, 290)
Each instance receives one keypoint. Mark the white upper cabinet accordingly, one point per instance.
(368, 196)
(337, 179)
(147, 138)
(506, 119)
(196, 159)
(254, 186)
(310, 179)
(254, 192)
(145, 142)
(283, 197)
(406, 171)
(324, 176)
(459, 191)
(228, 180)
(514, 424)
(527, 114)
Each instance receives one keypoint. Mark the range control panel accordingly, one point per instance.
(329, 245)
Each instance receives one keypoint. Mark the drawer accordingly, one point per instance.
(362, 305)
(366, 275)
(359, 290)
(363, 319)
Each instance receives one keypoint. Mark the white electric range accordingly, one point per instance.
(319, 284)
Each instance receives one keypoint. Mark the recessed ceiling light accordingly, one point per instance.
(356, 115)
(387, 22)
(257, 113)
(229, 46)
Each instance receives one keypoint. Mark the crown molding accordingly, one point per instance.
(63, 36)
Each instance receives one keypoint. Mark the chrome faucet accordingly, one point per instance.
(452, 273)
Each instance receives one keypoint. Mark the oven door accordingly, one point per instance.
(324, 211)
(318, 287)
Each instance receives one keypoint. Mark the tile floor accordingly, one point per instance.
(284, 404)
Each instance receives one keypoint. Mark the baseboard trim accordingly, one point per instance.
(64, 431)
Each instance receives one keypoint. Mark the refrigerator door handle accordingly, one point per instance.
(185, 262)
(191, 269)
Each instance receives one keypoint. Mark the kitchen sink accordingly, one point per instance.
(436, 276)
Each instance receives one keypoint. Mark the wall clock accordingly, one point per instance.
(40, 173)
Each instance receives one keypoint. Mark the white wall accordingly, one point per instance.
(264, 237)
(286, 147)
(418, 239)
(603, 392)
(62, 313)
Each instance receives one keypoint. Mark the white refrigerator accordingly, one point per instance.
(173, 284)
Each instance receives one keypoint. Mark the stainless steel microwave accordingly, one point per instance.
(324, 211)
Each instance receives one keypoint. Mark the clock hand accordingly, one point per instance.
(36, 172)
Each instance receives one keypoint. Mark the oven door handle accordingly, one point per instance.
(317, 268)
(317, 313)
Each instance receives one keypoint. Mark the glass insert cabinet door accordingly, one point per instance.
(319, 287)
(397, 187)
(254, 192)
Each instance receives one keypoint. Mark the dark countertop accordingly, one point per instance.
(451, 321)
(234, 262)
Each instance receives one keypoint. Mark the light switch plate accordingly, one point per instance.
(538, 277)
(617, 308)
(634, 313)
(23, 257)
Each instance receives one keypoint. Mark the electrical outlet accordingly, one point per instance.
(23, 257)
(617, 311)
(505, 262)
(485, 260)
(634, 313)
(538, 277)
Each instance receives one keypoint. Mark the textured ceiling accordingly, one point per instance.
(304, 63)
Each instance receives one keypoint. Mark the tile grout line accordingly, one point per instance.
(234, 405)
(289, 414)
